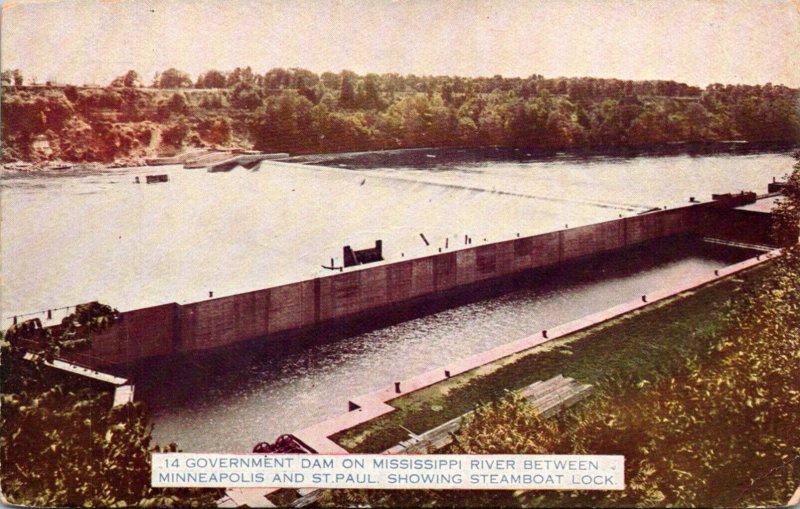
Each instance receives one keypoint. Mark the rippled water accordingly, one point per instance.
(75, 237)
(82, 236)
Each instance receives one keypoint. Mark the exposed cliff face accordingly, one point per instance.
(103, 124)
(330, 113)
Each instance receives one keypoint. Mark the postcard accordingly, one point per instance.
(384, 253)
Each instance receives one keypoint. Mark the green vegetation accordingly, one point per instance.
(61, 443)
(130, 80)
(717, 429)
(626, 348)
(785, 224)
(298, 111)
(11, 77)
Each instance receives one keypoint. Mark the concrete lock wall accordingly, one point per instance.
(219, 322)
(139, 334)
(736, 225)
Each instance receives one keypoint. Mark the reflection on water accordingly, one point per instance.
(251, 398)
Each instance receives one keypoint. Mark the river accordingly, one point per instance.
(79, 236)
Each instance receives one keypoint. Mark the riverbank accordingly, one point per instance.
(718, 429)
(625, 348)
(106, 124)
(62, 166)
(434, 156)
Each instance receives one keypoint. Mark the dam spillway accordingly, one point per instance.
(370, 290)
(163, 270)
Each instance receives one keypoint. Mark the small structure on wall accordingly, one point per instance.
(371, 255)
(154, 179)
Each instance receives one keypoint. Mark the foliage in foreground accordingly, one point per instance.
(720, 432)
(62, 444)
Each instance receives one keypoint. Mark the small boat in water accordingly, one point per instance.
(154, 179)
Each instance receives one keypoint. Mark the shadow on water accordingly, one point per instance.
(181, 380)
(444, 158)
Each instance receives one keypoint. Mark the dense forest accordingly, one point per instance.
(298, 111)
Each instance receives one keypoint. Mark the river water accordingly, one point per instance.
(79, 236)
(232, 406)
(73, 237)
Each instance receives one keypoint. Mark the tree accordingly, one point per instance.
(787, 213)
(347, 90)
(61, 443)
(369, 96)
(177, 103)
(11, 77)
(651, 127)
(503, 427)
(172, 78)
(607, 124)
(303, 78)
(211, 79)
(129, 80)
(245, 96)
(330, 81)
(285, 123)
(241, 75)
(277, 79)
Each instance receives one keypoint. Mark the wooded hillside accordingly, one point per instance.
(298, 111)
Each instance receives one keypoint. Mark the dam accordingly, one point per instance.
(182, 239)
(368, 290)
(372, 289)
(312, 378)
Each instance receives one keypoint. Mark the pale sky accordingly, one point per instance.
(693, 41)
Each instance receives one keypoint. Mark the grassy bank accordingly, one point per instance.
(642, 345)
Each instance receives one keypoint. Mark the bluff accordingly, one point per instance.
(299, 112)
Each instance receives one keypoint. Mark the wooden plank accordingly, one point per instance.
(549, 397)
(554, 395)
(123, 395)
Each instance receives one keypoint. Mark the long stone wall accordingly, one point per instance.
(224, 321)
(139, 334)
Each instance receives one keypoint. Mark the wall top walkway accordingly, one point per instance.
(762, 205)
(81, 371)
(369, 406)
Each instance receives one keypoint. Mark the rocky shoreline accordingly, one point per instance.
(706, 148)
(57, 165)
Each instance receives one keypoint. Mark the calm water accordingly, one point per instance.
(231, 406)
(80, 236)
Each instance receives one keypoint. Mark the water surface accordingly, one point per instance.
(79, 236)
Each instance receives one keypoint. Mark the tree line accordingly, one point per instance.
(299, 111)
